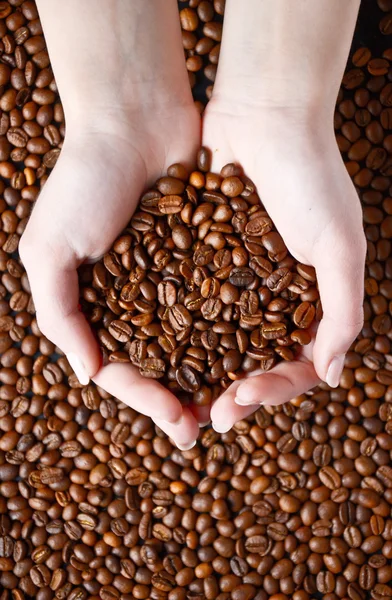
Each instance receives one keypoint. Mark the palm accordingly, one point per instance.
(291, 173)
(97, 181)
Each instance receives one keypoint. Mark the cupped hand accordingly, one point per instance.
(85, 204)
(294, 161)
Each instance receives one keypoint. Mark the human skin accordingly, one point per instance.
(279, 73)
(129, 115)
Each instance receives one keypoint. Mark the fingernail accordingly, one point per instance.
(335, 370)
(241, 401)
(242, 397)
(78, 367)
(221, 427)
(204, 424)
(185, 447)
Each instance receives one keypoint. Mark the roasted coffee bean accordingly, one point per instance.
(121, 331)
(188, 379)
(152, 368)
(261, 266)
(304, 315)
(241, 277)
(259, 226)
(279, 280)
(167, 293)
(179, 317)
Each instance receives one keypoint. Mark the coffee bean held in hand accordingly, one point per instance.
(200, 288)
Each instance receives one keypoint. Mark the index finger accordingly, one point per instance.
(147, 396)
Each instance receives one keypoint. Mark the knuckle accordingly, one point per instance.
(353, 249)
(352, 328)
(31, 251)
(26, 249)
(45, 323)
(348, 327)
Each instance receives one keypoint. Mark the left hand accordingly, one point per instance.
(293, 159)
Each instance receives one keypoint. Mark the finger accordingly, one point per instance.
(201, 414)
(147, 396)
(184, 433)
(281, 384)
(225, 413)
(55, 289)
(341, 283)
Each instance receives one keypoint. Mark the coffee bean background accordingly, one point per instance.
(95, 502)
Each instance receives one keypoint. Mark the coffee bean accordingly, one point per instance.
(361, 57)
(170, 186)
(353, 78)
(279, 280)
(130, 292)
(182, 237)
(325, 582)
(257, 544)
(304, 315)
(152, 368)
(40, 576)
(353, 536)
(179, 317)
(211, 308)
(367, 577)
(232, 186)
(188, 379)
(241, 277)
(273, 331)
(381, 592)
(170, 204)
(259, 226)
(386, 25)
(121, 331)
(142, 221)
(261, 266)
(203, 156)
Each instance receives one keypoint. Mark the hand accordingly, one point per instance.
(87, 201)
(294, 161)
(129, 114)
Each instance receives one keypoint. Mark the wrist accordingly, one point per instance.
(304, 124)
(135, 137)
(123, 55)
(284, 54)
(135, 121)
(98, 107)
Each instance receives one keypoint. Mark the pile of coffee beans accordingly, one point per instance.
(200, 288)
(294, 503)
(202, 25)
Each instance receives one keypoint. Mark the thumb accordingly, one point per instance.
(55, 289)
(341, 284)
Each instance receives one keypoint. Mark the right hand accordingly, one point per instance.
(307, 192)
(86, 203)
